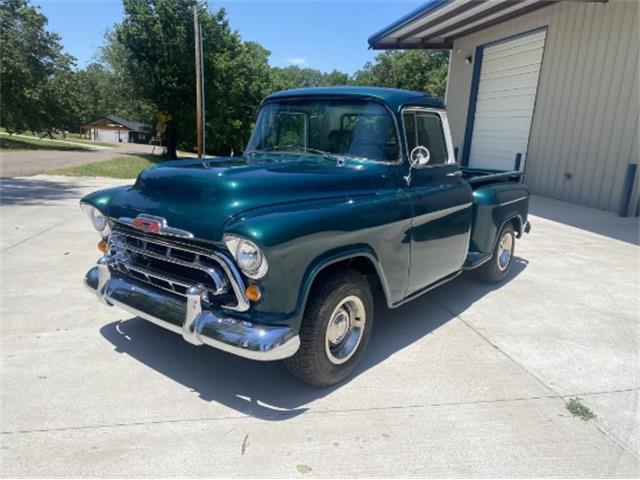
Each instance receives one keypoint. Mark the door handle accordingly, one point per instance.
(457, 173)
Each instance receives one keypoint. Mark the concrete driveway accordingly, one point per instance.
(468, 380)
(34, 162)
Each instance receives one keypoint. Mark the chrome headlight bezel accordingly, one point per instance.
(248, 256)
(98, 220)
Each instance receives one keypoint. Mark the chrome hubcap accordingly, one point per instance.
(505, 250)
(345, 329)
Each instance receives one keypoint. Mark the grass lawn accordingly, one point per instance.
(120, 167)
(11, 142)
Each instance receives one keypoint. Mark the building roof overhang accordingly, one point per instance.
(437, 23)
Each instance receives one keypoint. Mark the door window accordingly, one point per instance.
(425, 129)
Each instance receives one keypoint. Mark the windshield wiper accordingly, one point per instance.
(273, 148)
(340, 159)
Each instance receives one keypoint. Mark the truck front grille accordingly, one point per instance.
(175, 267)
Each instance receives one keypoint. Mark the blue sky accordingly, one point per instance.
(322, 34)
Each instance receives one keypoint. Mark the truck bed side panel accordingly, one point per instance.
(493, 205)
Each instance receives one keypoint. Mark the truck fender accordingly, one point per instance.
(351, 252)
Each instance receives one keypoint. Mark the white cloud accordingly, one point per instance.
(296, 60)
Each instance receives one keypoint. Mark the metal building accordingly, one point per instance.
(550, 87)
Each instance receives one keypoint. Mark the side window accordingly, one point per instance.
(424, 128)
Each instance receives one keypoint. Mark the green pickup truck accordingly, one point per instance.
(342, 195)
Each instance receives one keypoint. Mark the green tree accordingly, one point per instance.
(38, 88)
(153, 49)
(101, 91)
(421, 70)
(236, 81)
(283, 78)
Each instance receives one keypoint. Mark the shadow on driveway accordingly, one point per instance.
(266, 390)
(600, 222)
(23, 191)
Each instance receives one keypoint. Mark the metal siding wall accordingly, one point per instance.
(586, 115)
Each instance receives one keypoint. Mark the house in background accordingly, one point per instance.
(111, 128)
(549, 87)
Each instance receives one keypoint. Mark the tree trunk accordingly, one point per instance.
(172, 141)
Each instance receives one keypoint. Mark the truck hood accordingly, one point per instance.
(200, 196)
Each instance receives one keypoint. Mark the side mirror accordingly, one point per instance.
(419, 156)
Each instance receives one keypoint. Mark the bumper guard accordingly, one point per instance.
(196, 325)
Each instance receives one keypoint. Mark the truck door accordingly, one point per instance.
(440, 199)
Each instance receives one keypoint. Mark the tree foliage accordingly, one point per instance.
(296, 77)
(146, 67)
(37, 83)
(154, 48)
(421, 70)
(102, 92)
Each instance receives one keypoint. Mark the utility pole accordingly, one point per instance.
(199, 83)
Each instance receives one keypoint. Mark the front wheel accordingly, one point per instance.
(496, 269)
(335, 329)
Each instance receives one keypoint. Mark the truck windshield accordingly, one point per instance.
(349, 128)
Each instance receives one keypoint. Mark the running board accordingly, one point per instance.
(475, 259)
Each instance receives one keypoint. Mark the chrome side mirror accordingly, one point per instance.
(420, 156)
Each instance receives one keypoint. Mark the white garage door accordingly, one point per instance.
(506, 97)
(114, 136)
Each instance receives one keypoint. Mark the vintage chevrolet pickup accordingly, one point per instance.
(342, 194)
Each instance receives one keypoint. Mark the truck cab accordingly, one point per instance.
(342, 194)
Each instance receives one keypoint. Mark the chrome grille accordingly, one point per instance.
(175, 267)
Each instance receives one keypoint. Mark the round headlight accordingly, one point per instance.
(248, 255)
(98, 219)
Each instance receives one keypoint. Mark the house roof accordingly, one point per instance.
(437, 23)
(128, 124)
(393, 97)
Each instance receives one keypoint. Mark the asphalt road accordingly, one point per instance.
(34, 162)
(468, 380)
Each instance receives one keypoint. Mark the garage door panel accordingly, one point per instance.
(517, 42)
(526, 73)
(508, 100)
(516, 51)
(498, 135)
(511, 102)
(505, 101)
(510, 82)
(519, 119)
(496, 159)
(507, 65)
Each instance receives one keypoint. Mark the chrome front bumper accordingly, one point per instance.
(197, 326)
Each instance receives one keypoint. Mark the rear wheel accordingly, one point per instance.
(496, 269)
(335, 329)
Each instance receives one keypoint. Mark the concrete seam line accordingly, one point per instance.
(277, 414)
(602, 392)
(283, 413)
(539, 380)
(41, 232)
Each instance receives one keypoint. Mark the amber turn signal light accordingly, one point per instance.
(253, 293)
(102, 246)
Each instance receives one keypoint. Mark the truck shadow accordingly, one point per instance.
(266, 390)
